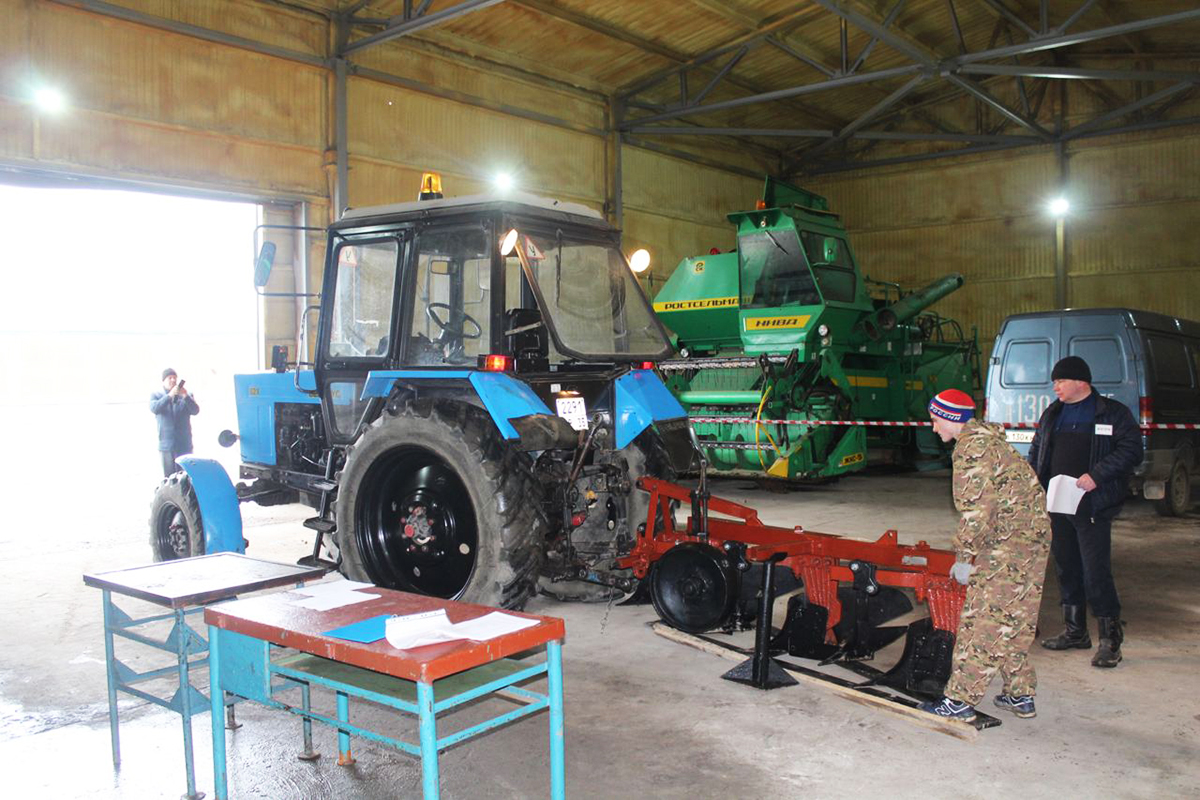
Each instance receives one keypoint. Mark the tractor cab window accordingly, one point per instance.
(452, 309)
(591, 297)
(831, 263)
(362, 303)
(771, 262)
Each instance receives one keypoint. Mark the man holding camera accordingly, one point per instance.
(173, 407)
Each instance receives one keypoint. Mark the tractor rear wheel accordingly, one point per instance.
(176, 529)
(432, 501)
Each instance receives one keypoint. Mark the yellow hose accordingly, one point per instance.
(758, 424)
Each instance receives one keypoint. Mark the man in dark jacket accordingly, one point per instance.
(173, 407)
(1083, 434)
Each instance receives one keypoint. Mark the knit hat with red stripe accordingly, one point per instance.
(952, 404)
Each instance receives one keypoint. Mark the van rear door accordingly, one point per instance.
(1019, 387)
(1103, 341)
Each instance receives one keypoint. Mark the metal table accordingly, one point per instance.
(185, 586)
(422, 681)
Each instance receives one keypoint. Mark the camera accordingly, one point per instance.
(180, 384)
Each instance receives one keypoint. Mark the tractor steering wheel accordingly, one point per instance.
(450, 331)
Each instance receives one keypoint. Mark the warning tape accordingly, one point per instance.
(878, 423)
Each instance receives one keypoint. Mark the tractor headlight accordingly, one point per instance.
(826, 341)
(823, 330)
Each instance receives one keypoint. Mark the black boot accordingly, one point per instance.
(1076, 634)
(1108, 654)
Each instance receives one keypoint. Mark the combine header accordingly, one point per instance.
(792, 363)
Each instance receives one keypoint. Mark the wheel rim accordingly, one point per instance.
(172, 532)
(416, 526)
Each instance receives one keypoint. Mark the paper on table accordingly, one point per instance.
(331, 600)
(1063, 496)
(332, 587)
(489, 626)
(416, 630)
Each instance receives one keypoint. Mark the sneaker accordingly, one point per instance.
(1021, 705)
(950, 708)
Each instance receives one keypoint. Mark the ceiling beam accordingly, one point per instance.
(405, 27)
(1076, 73)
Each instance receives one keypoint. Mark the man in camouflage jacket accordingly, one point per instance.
(1002, 544)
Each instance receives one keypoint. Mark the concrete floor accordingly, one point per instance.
(644, 716)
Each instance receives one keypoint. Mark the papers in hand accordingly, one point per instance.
(1063, 496)
(431, 627)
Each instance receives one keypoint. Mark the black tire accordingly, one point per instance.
(432, 501)
(176, 529)
(1177, 501)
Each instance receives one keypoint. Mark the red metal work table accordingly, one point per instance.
(241, 634)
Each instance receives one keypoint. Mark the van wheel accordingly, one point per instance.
(1178, 499)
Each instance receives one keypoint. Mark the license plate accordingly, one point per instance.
(573, 410)
(1019, 437)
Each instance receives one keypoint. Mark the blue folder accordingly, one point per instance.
(365, 631)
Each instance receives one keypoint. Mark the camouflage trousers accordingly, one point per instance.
(997, 626)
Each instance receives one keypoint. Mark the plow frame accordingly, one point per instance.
(821, 560)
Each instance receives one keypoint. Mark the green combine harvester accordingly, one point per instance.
(784, 345)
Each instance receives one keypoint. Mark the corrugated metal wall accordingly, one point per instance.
(1132, 237)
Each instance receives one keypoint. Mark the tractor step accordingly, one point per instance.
(320, 525)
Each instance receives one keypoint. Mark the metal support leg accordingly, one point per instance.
(231, 723)
(111, 667)
(558, 772)
(429, 752)
(345, 757)
(306, 704)
(185, 697)
(216, 698)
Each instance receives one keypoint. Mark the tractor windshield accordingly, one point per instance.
(594, 304)
(772, 263)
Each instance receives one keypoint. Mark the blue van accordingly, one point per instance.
(1150, 362)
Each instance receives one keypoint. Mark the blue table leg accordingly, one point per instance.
(429, 752)
(185, 698)
(345, 757)
(217, 700)
(306, 704)
(111, 667)
(558, 770)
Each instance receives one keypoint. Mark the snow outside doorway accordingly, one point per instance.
(102, 290)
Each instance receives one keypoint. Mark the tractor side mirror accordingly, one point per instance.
(263, 264)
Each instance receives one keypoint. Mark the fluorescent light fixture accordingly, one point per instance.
(49, 99)
(1059, 207)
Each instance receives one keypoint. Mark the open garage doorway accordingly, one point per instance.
(104, 289)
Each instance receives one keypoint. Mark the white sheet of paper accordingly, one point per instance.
(331, 600)
(489, 626)
(1063, 496)
(332, 587)
(416, 630)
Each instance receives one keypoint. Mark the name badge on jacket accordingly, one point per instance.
(1104, 430)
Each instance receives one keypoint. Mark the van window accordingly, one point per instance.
(1026, 364)
(1103, 356)
(1170, 357)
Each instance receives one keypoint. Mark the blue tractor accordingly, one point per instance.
(481, 404)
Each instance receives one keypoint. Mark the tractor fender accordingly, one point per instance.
(641, 400)
(218, 505)
(505, 398)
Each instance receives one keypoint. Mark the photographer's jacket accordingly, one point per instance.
(174, 421)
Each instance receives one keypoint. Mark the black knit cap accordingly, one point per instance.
(169, 372)
(1071, 368)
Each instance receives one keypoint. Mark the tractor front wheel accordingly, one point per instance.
(176, 530)
(431, 501)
